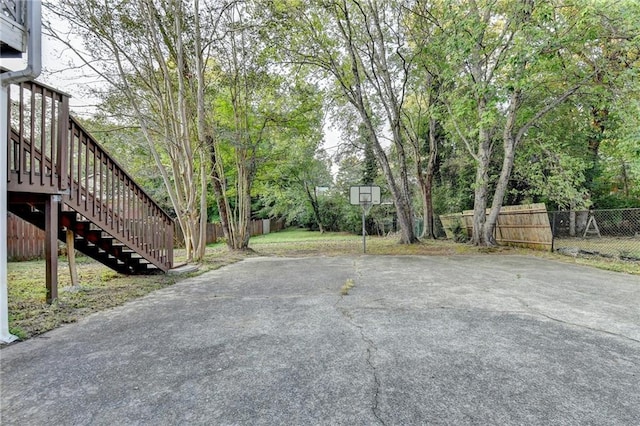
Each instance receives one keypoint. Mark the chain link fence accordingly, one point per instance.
(605, 233)
(613, 234)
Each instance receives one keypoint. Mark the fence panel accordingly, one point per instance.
(453, 225)
(24, 240)
(611, 233)
(277, 225)
(523, 226)
(214, 230)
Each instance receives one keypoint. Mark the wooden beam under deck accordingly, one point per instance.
(51, 212)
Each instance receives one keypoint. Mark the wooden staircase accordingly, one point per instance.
(103, 247)
(60, 179)
(89, 239)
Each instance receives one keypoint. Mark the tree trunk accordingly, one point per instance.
(427, 204)
(202, 134)
(501, 189)
(425, 181)
(599, 118)
(427, 199)
(236, 222)
(401, 199)
(509, 142)
(312, 197)
(481, 189)
(219, 191)
(425, 194)
(572, 221)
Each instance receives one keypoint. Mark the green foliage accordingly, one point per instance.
(287, 181)
(551, 166)
(370, 170)
(459, 232)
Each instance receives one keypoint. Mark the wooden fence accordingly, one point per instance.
(454, 226)
(524, 226)
(24, 240)
(214, 230)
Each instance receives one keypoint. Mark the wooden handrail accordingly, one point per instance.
(36, 139)
(101, 190)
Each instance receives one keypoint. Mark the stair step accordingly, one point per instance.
(92, 240)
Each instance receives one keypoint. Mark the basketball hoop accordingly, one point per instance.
(366, 207)
(365, 197)
(365, 202)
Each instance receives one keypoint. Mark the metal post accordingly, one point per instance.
(5, 336)
(553, 231)
(364, 237)
(34, 64)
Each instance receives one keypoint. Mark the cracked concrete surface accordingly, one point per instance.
(370, 350)
(418, 340)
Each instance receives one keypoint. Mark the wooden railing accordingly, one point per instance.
(101, 190)
(51, 153)
(38, 131)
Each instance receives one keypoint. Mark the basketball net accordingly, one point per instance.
(366, 206)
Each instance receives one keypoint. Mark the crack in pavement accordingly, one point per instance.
(586, 327)
(376, 390)
(531, 310)
(371, 349)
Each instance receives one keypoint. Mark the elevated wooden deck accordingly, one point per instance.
(60, 179)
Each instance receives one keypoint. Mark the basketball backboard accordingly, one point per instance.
(359, 195)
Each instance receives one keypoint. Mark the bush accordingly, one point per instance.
(459, 232)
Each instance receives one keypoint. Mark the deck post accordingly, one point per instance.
(51, 209)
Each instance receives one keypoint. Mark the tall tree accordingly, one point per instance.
(155, 54)
(505, 59)
(245, 117)
(423, 133)
(611, 52)
(424, 115)
(362, 46)
(296, 165)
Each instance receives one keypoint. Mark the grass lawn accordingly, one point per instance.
(101, 288)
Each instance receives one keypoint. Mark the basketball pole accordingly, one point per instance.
(364, 233)
(366, 207)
